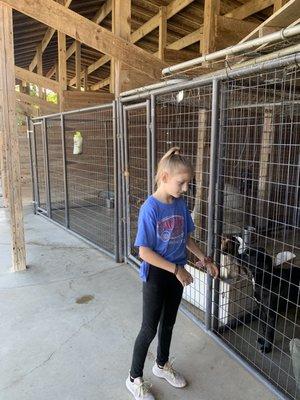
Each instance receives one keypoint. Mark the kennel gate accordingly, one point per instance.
(137, 167)
(79, 191)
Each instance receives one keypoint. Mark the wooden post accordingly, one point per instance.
(211, 10)
(39, 68)
(3, 165)
(78, 64)
(200, 171)
(8, 100)
(85, 79)
(121, 26)
(265, 152)
(62, 68)
(162, 40)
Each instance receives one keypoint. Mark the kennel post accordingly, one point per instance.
(212, 193)
(200, 170)
(63, 140)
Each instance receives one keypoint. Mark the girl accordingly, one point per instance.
(164, 229)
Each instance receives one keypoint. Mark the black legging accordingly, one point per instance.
(161, 298)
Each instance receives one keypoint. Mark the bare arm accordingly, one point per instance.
(192, 246)
(155, 259)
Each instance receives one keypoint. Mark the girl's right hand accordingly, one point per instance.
(184, 277)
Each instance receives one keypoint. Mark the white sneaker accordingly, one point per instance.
(169, 374)
(140, 389)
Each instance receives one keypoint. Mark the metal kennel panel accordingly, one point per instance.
(257, 223)
(183, 119)
(137, 169)
(56, 168)
(41, 166)
(91, 175)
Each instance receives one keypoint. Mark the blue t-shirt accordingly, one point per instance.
(164, 228)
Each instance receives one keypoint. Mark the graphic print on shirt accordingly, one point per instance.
(170, 229)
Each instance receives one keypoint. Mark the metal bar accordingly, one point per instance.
(64, 156)
(153, 86)
(93, 108)
(219, 205)
(116, 185)
(222, 74)
(126, 187)
(211, 194)
(149, 152)
(136, 106)
(46, 160)
(30, 139)
(153, 142)
(238, 48)
(121, 199)
(38, 203)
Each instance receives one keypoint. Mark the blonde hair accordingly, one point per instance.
(173, 161)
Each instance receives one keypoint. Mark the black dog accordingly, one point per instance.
(273, 287)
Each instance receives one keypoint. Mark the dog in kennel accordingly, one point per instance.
(274, 288)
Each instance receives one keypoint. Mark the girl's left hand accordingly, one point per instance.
(212, 269)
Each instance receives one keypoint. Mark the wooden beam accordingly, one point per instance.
(46, 40)
(103, 12)
(187, 40)
(11, 139)
(162, 38)
(36, 79)
(282, 18)
(52, 71)
(265, 153)
(175, 6)
(76, 99)
(34, 100)
(226, 36)
(200, 208)
(99, 16)
(89, 33)
(122, 27)
(78, 64)
(278, 4)
(101, 84)
(211, 10)
(249, 8)
(85, 79)
(39, 65)
(176, 56)
(146, 28)
(3, 166)
(62, 67)
(91, 68)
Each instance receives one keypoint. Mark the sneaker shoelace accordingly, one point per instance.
(169, 368)
(143, 388)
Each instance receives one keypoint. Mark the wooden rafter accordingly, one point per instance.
(80, 28)
(36, 79)
(46, 40)
(162, 38)
(285, 16)
(211, 10)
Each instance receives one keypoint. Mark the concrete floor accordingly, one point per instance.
(53, 347)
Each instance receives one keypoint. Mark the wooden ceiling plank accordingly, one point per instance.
(36, 79)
